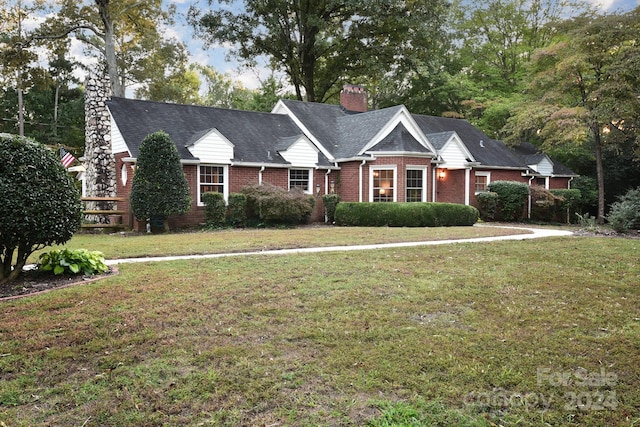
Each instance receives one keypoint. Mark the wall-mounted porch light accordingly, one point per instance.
(332, 187)
(317, 189)
(441, 174)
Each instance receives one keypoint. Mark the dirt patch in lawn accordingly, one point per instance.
(33, 282)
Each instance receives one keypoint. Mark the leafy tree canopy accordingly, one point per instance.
(318, 44)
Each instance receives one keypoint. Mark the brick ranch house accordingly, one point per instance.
(387, 155)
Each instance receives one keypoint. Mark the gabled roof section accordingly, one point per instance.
(486, 151)
(340, 134)
(254, 135)
(438, 140)
(532, 155)
(400, 140)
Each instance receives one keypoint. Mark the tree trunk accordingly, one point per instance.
(117, 89)
(599, 172)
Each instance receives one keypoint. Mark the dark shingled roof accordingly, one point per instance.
(438, 140)
(344, 134)
(531, 154)
(254, 135)
(400, 139)
(486, 151)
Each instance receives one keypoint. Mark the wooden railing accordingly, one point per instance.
(103, 212)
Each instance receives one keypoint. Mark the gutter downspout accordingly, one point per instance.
(529, 210)
(260, 175)
(434, 179)
(360, 181)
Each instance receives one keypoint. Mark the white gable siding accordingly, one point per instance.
(118, 145)
(212, 148)
(301, 153)
(545, 167)
(453, 155)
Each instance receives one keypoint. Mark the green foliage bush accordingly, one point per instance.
(269, 204)
(545, 205)
(215, 209)
(570, 204)
(73, 262)
(159, 187)
(404, 214)
(488, 205)
(237, 210)
(512, 199)
(625, 213)
(40, 203)
(330, 201)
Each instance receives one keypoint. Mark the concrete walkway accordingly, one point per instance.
(536, 233)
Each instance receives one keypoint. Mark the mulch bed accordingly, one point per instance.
(33, 282)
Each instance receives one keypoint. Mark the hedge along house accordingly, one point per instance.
(387, 155)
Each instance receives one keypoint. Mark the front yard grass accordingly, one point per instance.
(500, 333)
(132, 245)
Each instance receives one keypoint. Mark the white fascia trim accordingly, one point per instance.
(506, 168)
(399, 154)
(266, 165)
(213, 130)
(182, 161)
(411, 125)
(280, 108)
(356, 159)
(194, 162)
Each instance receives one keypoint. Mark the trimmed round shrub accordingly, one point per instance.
(405, 214)
(512, 199)
(545, 206)
(625, 213)
(159, 188)
(215, 209)
(40, 204)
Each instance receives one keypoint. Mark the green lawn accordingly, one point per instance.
(506, 333)
(130, 245)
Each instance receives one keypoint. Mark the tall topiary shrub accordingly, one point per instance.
(512, 199)
(159, 188)
(39, 204)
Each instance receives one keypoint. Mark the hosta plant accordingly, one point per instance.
(73, 261)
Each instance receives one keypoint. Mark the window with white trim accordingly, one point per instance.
(415, 186)
(300, 178)
(483, 179)
(211, 179)
(383, 184)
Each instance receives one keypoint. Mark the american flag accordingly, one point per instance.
(66, 158)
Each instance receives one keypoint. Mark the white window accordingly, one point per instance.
(212, 179)
(383, 184)
(300, 178)
(483, 179)
(416, 187)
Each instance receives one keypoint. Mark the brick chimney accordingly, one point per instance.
(353, 98)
